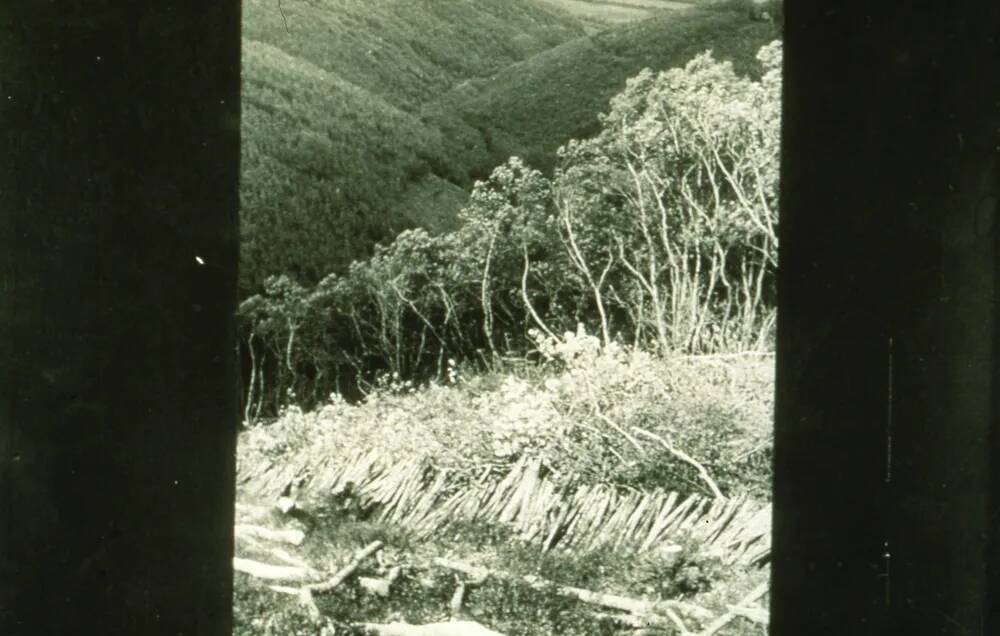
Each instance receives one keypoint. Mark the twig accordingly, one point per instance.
(272, 572)
(450, 628)
(676, 620)
(726, 618)
(676, 452)
(306, 593)
(381, 586)
(456, 600)
(607, 420)
(612, 601)
(294, 537)
(755, 614)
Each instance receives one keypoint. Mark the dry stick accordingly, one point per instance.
(272, 572)
(455, 607)
(725, 619)
(450, 628)
(459, 596)
(613, 601)
(607, 420)
(382, 586)
(755, 614)
(676, 452)
(306, 593)
(676, 620)
(527, 301)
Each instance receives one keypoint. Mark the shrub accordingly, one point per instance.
(579, 415)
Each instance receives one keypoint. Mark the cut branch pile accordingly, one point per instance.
(586, 517)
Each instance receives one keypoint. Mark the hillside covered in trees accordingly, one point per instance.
(362, 118)
(508, 310)
(658, 231)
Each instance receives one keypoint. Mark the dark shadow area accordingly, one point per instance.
(119, 248)
(120, 390)
(884, 444)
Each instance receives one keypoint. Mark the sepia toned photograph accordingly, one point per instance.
(499, 318)
(507, 316)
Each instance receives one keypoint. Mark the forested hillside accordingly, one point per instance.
(659, 232)
(408, 51)
(531, 108)
(508, 316)
(364, 118)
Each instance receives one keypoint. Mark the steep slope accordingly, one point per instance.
(532, 107)
(322, 163)
(364, 117)
(408, 51)
(334, 156)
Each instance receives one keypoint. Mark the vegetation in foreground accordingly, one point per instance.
(564, 412)
(589, 412)
(651, 240)
(423, 593)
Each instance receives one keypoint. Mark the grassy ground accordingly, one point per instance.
(716, 409)
(422, 594)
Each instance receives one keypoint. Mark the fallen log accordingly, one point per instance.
(728, 617)
(348, 569)
(611, 601)
(293, 537)
(755, 614)
(382, 586)
(307, 592)
(450, 628)
(271, 572)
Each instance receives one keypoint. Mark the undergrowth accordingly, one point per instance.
(423, 593)
(577, 412)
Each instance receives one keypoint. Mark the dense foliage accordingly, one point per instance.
(361, 119)
(531, 108)
(335, 155)
(408, 51)
(596, 414)
(659, 233)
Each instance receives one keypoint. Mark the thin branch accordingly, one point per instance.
(527, 301)
(676, 452)
(726, 618)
